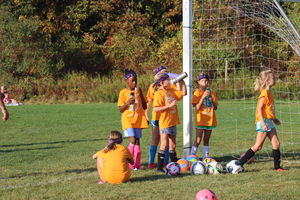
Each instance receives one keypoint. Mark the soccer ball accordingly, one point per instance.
(209, 160)
(214, 168)
(184, 164)
(234, 167)
(173, 169)
(251, 160)
(198, 168)
(206, 195)
(192, 158)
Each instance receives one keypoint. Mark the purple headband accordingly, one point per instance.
(118, 140)
(130, 74)
(158, 70)
(202, 76)
(164, 77)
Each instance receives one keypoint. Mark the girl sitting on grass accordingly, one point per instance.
(112, 161)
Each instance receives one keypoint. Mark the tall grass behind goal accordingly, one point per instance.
(233, 41)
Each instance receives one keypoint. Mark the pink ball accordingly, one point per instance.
(206, 194)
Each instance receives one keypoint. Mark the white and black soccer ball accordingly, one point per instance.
(214, 168)
(198, 168)
(234, 167)
(173, 169)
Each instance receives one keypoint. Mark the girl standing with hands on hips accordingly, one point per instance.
(265, 119)
(132, 104)
(205, 103)
(165, 104)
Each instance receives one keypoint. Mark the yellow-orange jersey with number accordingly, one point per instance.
(135, 118)
(168, 117)
(150, 95)
(115, 167)
(268, 109)
(206, 116)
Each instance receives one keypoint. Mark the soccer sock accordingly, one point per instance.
(160, 160)
(137, 156)
(152, 152)
(131, 150)
(194, 150)
(173, 156)
(276, 156)
(249, 154)
(205, 152)
(166, 159)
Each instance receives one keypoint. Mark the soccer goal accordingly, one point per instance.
(232, 41)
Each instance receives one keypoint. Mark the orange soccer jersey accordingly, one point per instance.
(150, 95)
(132, 119)
(115, 167)
(268, 109)
(206, 116)
(168, 117)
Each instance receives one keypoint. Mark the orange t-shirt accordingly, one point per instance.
(115, 167)
(168, 117)
(268, 109)
(132, 119)
(150, 95)
(206, 116)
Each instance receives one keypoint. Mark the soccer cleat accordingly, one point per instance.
(280, 170)
(161, 170)
(151, 166)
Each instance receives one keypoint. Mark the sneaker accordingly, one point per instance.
(165, 164)
(151, 166)
(101, 182)
(280, 170)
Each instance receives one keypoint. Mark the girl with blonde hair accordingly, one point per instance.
(265, 119)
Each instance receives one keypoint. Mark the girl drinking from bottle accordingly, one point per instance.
(265, 119)
(132, 104)
(165, 105)
(205, 103)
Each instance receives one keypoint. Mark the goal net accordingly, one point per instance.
(233, 41)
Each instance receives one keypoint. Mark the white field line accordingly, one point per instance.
(51, 181)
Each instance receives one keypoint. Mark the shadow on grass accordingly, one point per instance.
(155, 177)
(262, 157)
(56, 142)
(14, 150)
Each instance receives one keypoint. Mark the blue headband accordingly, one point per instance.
(202, 76)
(157, 70)
(164, 77)
(130, 74)
(118, 140)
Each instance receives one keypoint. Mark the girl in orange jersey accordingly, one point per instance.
(5, 114)
(265, 116)
(205, 103)
(154, 122)
(132, 104)
(165, 104)
(113, 160)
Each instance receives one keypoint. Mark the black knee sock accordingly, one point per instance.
(173, 156)
(160, 160)
(249, 154)
(276, 156)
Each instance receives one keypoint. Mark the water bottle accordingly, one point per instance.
(208, 99)
(179, 78)
(131, 106)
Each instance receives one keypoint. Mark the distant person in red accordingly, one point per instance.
(7, 100)
(5, 114)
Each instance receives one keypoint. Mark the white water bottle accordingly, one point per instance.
(131, 106)
(179, 78)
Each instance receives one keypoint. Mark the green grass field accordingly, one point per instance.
(46, 153)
